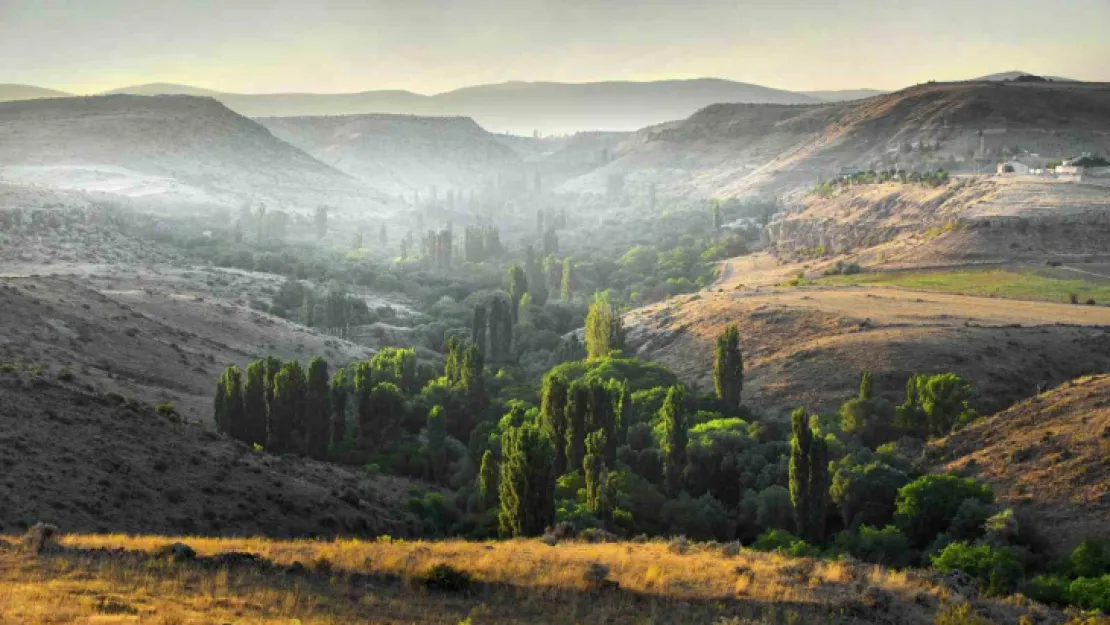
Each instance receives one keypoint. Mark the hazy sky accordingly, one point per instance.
(430, 46)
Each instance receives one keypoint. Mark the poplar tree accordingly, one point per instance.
(675, 438)
(527, 487)
(317, 413)
(553, 403)
(533, 270)
(473, 380)
(436, 429)
(487, 481)
(386, 411)
(865, 386)
(809, 479)
(728, 370)
(716, 210)
(478, 328)
(339, 393)
(566, 289)
(622, 409)
(364, 382)
(229, 402)
(596, 474)
(287, 409)
(254, 404)
(578, 397)
(518, 286)
(600, 417)
(500, 329)
(604, 328)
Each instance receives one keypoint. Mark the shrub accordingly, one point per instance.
(886, 546)
(167, 409)
(784, 542)
(446, 578)
(1048, 589)
(959, 614)
(1090, 558)
(1092, 593)
(998, 569)
(928, 505)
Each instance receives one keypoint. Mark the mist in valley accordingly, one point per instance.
(555, 312)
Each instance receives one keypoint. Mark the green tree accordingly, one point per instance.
(935, 404)
(927, 506)
(287, 409)
(622, 409)
(500, 329)
(339, 393)
(436, 429)
(809, 478)
(386, 411)
(675, 437)
(229, 403)
(254, 404)
(566, 289)
(728, 370)
(577, 407)
(364, 384)
(473, 380)
(317, 413)
(596, 474)
(518, 286)
(478, 327)
(533, 270)
(553, 403)
(865, 493)
(866, 391)
(527, 487)
(488, 481)
(604, 328)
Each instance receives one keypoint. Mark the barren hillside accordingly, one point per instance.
(92, 461)
(1047, 457)
(738, 150)
(810, 346)
(181, 148)
(400, 154)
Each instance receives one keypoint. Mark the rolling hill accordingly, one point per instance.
(399, 154)
(181, 149)
(15, 93)
(743, 149)
(519, 107)
(1046, 457)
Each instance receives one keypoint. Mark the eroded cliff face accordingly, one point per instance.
(984, 218)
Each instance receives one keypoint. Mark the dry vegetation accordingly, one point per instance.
(121, 579)
(1049, 457)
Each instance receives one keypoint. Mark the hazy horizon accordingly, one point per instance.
(432, 47)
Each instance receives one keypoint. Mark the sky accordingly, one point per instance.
(431, 46)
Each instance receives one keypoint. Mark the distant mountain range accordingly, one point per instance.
(515, 107)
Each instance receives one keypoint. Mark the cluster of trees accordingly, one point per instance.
(934, 178)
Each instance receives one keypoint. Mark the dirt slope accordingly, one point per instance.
(184, 148)
(399, 154)
(158, 334)
(737, 150)
(78, 459)
(809, 346)
(1048, 457)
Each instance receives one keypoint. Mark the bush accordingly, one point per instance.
(1092, 593)
(959, 614)
(446, 578)
(1047, 589)
(928, 505)
(886, 546)
(997, 569)
(784, 542)
(1091, 558)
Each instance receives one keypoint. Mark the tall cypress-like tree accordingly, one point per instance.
(287, 409)
(728, 370)
(488, 481)
(500, 329)
(566, 288)
(436, 431)
(865, 386)
(229, 402)
(254, 404)
(577, 408)
(604, 328)
(518, 286)
(601, 418)
(533, 270)
(716, 210)
(527, 488)
(452, 361)
(553, 403)
(596, 474)
(809, 478)
(364, 411)
(622, 409)
(675, 438)
(317, 410)
(473, 380)
(386, 411)
(478, 327)
(340, 390)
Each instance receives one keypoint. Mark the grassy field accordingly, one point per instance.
(1050, 284)
(120, 579)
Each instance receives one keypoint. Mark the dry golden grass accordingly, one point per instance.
(121, 579)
